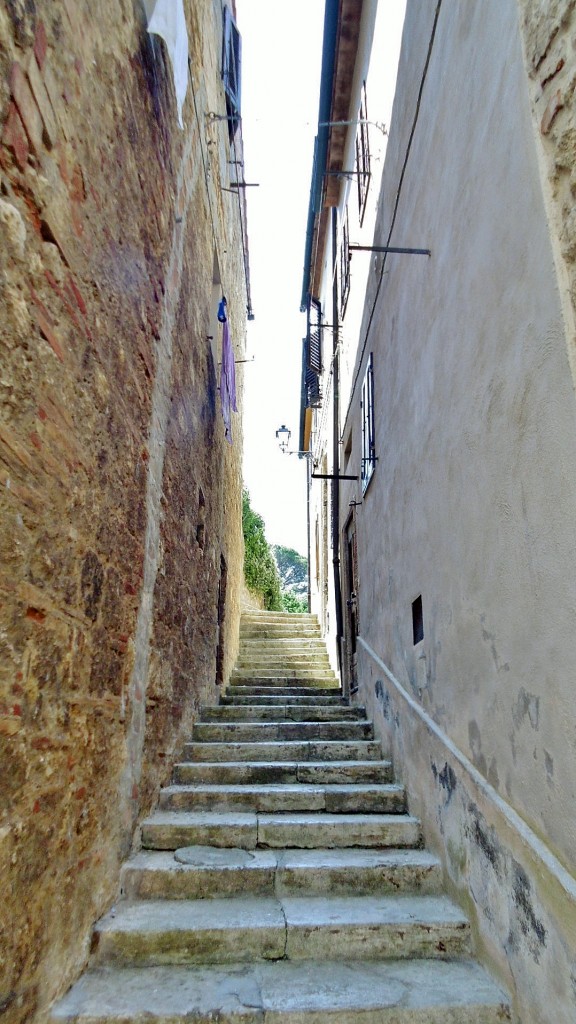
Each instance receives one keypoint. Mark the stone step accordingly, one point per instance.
(283, 666)
(290, 772)
(285, 750)
(288, 992)
(282, 645)
(304, 655)
(269, 798)
(276, 631)
(280, 701)
(264, 615)
(256, 732)
(156, 932)
(282, 684)
(200, 872)
(285, 675)
(169, 830)
(248, 690)
(281, 712)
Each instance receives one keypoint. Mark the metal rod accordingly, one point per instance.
(389, 248)
(331, 476)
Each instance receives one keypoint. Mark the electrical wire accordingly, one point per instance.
(396, 204)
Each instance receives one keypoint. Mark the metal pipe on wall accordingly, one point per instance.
(336, 441)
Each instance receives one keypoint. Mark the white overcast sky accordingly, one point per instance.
(281, 64)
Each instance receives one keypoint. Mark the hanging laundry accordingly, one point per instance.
(169, 21)
(227, 381)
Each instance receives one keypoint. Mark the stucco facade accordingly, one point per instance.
(470, 509)
(120, 507)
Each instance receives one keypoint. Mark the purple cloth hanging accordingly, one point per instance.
(227, 381)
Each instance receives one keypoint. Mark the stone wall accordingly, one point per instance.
(120, 499)
(548, 30)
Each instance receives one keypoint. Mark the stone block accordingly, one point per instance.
(15, 138)
(50, 127)
(27, 107)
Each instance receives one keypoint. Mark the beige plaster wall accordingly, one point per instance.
(472, 501)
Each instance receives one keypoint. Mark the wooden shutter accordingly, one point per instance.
(231, 68)
(314, 336)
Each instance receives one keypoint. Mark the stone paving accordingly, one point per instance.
(282, 877)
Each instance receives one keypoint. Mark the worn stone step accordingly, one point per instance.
(280, 646)
(313, 830)
(278, 631)
(295, 657)
(336, 799)
(288, 683)
(288, 992)
(155, 932)
(274, 772)
(285, 750)
(279, 700)
(256, 732)
(283, 677)
(198, 872)
(281, 712)
(248, 690)
(169, 830)
(278, 649)
(262, 613)
(283, 665)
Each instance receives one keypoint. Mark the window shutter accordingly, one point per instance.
(368, 425)
(314, 336)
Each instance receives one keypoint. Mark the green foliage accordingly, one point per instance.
(260, 570)
(293, 569)
(291, 603)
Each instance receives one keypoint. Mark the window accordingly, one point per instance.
(314, 336)
(368, 441)
(362, 155)
(344, 265)
(231, 67)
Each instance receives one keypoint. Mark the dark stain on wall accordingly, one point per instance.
(485, 838)
(530, 926)
(446, 778)
(383, 698)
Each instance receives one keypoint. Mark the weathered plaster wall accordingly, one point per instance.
(119, 495)
(472, 501)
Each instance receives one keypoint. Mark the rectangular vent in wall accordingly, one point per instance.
(417, 620)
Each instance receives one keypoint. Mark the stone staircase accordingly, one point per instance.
(281, 879)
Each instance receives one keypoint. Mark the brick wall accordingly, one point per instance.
(119, 497)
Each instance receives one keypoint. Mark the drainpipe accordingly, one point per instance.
(308, 486)
(336, 442)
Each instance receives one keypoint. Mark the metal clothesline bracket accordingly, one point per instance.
(332, 476)
(389, 248)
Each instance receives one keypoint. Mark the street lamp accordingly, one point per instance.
(283, 436)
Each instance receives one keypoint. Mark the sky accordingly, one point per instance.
(281, 65)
